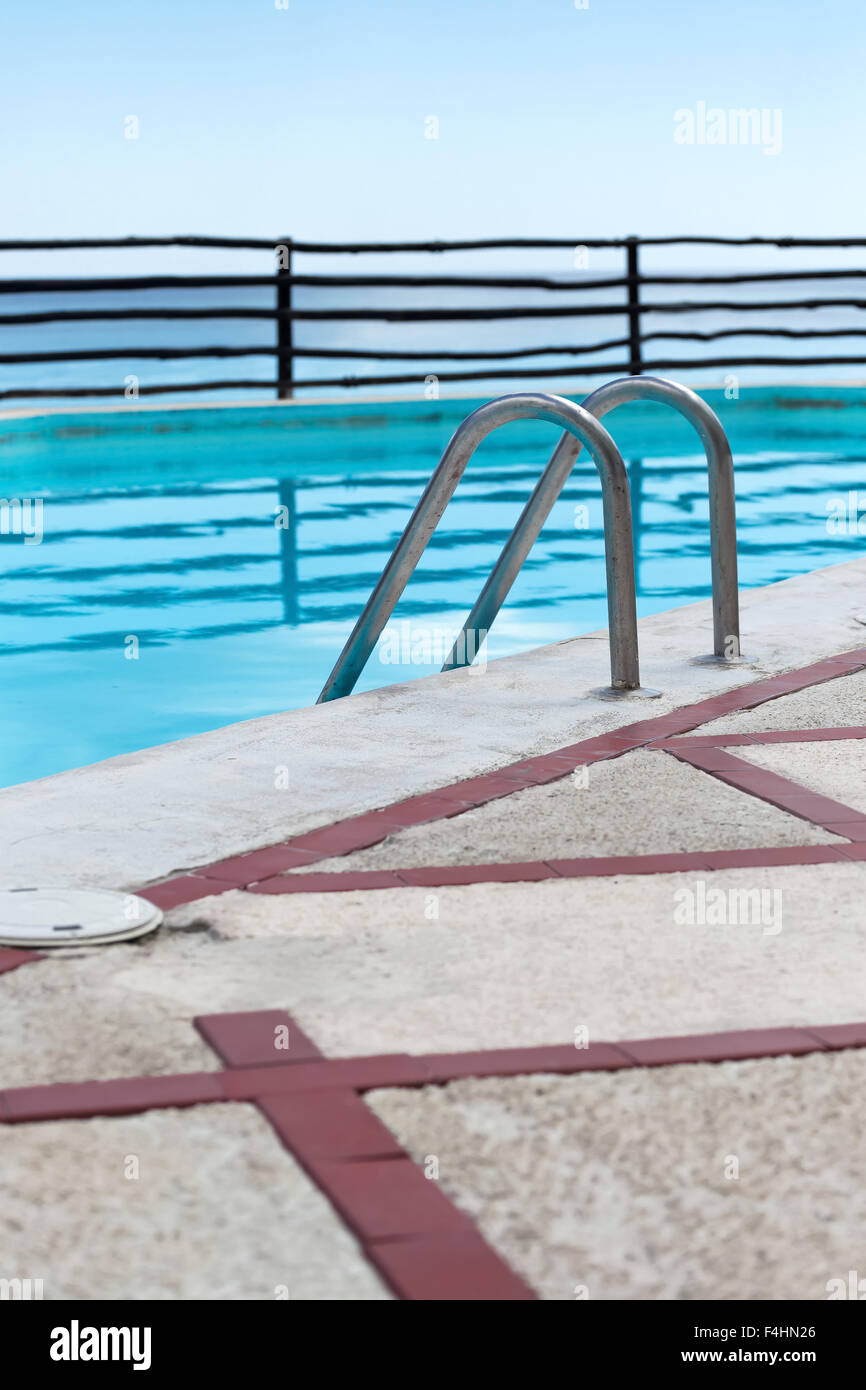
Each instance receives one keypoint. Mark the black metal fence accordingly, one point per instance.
(581, 359)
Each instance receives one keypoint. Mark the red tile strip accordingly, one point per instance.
(724, 1047)
(784, 856)
(81, 1100)
(424, 1247)
(285, 1086)
(328, 883)
(779, 791)
(360, 1073)
(261, 863)
(564, 1060)
(841, 1035)
(850, 731)
(810, 735)
(11, 958)
(385, 1199)
(269, 1037)
(607, 865)
(474, 873)
(447, 1268)
(604, 866)
(362, 831)
(333, 1124)
(422, 1244)
(175, 892)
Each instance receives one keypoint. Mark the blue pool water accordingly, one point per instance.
(160, 535)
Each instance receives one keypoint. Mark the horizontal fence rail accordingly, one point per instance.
(631, 300)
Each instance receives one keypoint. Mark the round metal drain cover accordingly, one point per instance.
(72, 916)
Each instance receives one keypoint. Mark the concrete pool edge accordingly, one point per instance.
(143, 816)
(577, 393)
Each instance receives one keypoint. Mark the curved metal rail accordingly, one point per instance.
(723, 528)
(582, 428)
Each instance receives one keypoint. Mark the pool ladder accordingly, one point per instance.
(582, 428)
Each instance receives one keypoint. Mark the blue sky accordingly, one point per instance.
(553, 120)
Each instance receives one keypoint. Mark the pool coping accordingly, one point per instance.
(363, 398)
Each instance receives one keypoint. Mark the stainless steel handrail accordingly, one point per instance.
(616, 508)
(723, 528)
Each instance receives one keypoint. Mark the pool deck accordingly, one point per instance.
(472, 987)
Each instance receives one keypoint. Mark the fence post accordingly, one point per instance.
(635, 365)
(285, 348)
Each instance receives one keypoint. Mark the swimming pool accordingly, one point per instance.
(199, 567)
